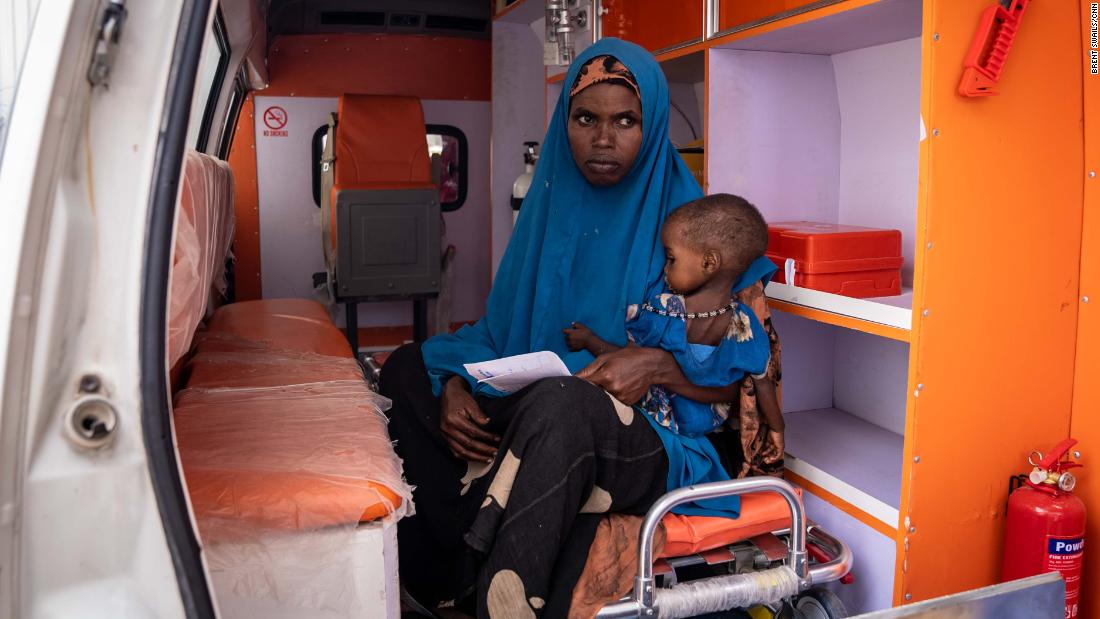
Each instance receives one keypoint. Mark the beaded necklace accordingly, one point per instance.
(690, 315)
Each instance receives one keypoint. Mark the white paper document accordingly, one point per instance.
(510, 374)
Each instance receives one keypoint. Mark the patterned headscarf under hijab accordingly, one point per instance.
(604, 69)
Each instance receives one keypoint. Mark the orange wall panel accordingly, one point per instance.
(737, 12)
(999, 219)
(328, 65)
(246, 204)
(654, 24)
(1085, 425)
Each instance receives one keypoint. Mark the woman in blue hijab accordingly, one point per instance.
(510, 489)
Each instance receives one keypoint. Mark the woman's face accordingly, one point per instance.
(605, 132)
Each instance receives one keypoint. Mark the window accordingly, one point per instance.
(447, 147)
(16, 19)
(211, 74)
(317, 149)
(449, 151)
(229, 127)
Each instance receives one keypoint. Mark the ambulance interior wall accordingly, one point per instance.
(290, 221)
(827, 138)
(687, 97)
(875, 553)
(517, 117)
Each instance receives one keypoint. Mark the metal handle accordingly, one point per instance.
(597, 20)
(644, 583)
(710, 21)
(841, 563)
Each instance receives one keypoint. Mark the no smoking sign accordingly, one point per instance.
(275, 119)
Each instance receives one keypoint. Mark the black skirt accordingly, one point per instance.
(513, 536)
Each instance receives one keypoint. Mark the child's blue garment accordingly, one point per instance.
(744, 350)
(681, 423)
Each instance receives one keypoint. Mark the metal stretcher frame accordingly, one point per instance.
(789, 579)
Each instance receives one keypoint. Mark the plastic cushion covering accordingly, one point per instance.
(237, 366)
(264, 372)
(286, 324)
(761, 513)
(294, 457)
(204, 231)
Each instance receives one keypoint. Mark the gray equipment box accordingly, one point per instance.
(387, 243)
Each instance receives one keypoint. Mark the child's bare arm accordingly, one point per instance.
(705, 395)
(580, 337)
(768, 403)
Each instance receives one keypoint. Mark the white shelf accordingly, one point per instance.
(856, 461)
(890, 311)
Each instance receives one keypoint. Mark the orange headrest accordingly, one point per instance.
(380, 140)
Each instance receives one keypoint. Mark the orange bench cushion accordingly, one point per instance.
(762, 512)
(288, 324)
(277, 428)
(291, 457)
(287, 500)
(222, 363)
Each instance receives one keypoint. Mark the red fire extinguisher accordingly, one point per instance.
(1045, 530)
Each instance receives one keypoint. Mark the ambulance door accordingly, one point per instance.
(96, 95)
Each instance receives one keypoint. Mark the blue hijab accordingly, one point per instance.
(578, 252)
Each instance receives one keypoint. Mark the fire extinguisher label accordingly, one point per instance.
(1065, 546)
(1066, 555)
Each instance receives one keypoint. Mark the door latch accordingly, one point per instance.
(106, 44)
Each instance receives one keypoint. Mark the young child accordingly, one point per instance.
(714, 248)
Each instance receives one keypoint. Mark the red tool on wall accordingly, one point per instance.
(1045, 526)
(989, 50)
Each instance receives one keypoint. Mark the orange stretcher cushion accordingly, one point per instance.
(761, 512)
(289, 324)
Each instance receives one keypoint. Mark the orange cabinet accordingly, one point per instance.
(654, 24)
(733, 13)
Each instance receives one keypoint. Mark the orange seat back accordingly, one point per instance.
(381, 140)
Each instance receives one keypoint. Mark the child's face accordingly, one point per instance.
(685, 266)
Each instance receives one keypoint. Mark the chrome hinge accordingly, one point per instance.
(106, 44)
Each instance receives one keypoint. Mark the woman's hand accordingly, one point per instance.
(628, 373)
(461, 422)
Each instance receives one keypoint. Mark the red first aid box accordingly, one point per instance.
(846, 260)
